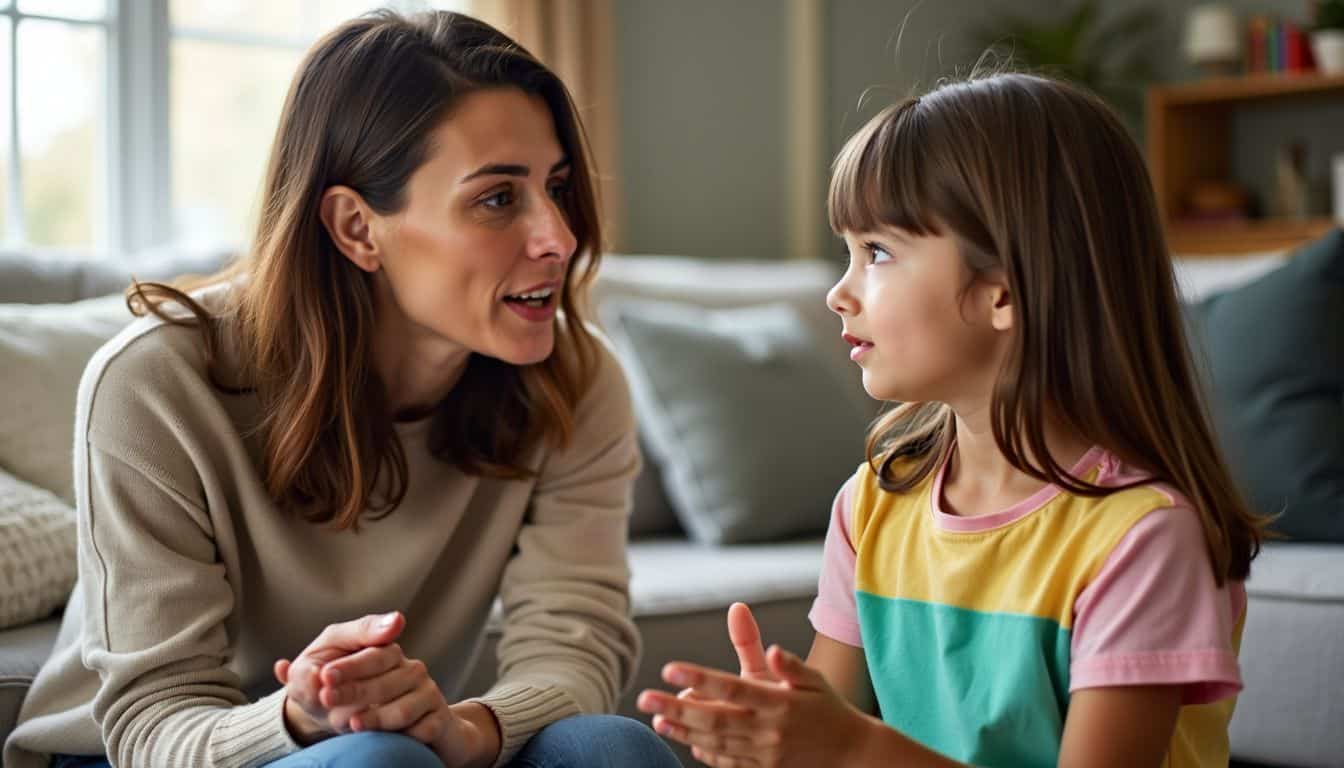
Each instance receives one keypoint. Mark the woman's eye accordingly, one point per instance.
(501, 199)
(557, 189)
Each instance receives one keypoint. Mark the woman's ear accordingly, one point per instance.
(349, 221)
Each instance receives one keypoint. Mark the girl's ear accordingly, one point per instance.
(348, 221)
(1000, 306)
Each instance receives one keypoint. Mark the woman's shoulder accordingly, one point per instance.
(153, 366)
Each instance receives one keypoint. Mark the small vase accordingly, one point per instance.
(1327, 45)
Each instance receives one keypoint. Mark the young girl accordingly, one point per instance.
(1042, 561)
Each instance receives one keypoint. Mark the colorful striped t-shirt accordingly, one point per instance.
(977, 629)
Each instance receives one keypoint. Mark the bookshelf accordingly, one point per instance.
(1189, 136)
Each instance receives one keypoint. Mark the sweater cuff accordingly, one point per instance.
(522, 710)
(253, 734)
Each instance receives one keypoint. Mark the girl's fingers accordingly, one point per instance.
(375, 691)
(719, 743)
(402, 712)
(369, 662)
(700, 714)
(727, 687)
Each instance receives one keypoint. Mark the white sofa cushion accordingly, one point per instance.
(43, 351)
(37, 552)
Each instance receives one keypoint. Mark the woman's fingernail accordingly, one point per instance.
(388, 620)
(678, 677)
(651, 704)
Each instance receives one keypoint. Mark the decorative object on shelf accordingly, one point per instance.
(1327, 39)
(1216, 200)
(1111, 57)
(1213, 39)
(1337, 188)
(1290, 181)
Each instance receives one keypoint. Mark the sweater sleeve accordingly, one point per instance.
(156, 631)
(157, 599)
(568, 644)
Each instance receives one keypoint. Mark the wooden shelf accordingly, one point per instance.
(1216, 238)
(1189, 129)
(1230, 90)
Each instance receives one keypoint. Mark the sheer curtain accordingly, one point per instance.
(576, 39)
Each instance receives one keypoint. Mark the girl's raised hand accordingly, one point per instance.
(794, 719)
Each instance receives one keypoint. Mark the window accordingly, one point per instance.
(128, 124)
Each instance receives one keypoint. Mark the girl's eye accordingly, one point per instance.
(876, 253)
(501, 199)
(557, 188)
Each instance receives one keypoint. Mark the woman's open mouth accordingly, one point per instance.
(537, 305)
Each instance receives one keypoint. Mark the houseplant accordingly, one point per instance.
(1327, 37)
(1109, 52)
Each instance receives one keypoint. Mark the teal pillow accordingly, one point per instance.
(1272, 353)
(753, 428)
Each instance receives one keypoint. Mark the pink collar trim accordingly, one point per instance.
(1021, 509)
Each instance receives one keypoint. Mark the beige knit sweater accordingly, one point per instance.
(192, 583)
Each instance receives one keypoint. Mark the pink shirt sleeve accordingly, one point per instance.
(833, 612)
(1155, 616)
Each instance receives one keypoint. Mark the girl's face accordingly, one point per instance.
(920, 327)
(477, 257)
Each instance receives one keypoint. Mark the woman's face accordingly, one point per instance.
(477, 257)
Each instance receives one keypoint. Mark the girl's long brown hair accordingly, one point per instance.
(360, 113)
(1038, 179)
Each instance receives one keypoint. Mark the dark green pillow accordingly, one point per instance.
(1272, 356)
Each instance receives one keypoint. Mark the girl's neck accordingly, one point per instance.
(978, 480)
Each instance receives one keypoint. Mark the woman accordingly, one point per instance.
(346, 447)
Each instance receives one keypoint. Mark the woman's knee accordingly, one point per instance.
(601, 741)
(364, 750)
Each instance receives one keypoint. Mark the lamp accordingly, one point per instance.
(1213, 38)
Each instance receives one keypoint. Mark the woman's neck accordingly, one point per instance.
(979, 480)
(417, 367)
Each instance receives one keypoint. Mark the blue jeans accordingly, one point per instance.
(585, 741)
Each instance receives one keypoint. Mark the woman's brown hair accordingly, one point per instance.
(360, 113)
(1038, 179)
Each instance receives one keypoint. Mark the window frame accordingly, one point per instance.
(137, 213)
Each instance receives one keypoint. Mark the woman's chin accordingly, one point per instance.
(529, 353)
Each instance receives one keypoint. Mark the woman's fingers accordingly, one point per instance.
(369, 662)
(402, 712)
(379, 689)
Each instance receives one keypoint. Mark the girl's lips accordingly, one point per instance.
(860, 347)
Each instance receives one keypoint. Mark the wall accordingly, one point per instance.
(704, 100)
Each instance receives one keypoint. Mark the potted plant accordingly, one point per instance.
(1327, 37)
(1110, 53)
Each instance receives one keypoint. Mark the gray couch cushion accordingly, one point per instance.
(1274, 350)
(752, 432)
(1292, 658)
(29, 278)
(22, 651)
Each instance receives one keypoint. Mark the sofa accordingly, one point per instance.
(685, 571)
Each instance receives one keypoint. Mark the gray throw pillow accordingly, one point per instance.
(753, 430)
(1272, 353)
